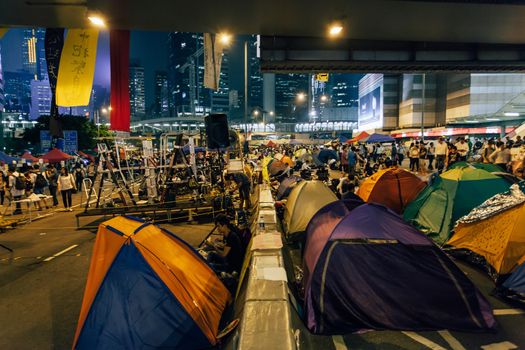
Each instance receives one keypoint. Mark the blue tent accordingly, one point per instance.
(365, 268)
(516, 282)
(378, 138)
(7, 159)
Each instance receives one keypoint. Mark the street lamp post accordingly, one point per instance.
(246, 90)
(423, 109)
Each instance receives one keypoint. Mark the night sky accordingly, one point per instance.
(150, 49)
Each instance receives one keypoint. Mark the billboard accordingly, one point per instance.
(45, 141)
(371, 109)
(70, 141)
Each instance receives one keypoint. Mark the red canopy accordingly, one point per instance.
(85, 155)
(271, 144)
(56, 156)
(359, 137)
(29, 156)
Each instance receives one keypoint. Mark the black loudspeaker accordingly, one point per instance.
(217, 131)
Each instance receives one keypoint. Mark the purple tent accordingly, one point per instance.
(365, 268)
(286, 186)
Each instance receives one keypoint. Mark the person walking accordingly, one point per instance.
(422, 158)
(52, 179)
(352, 160)
(441, 152)
(401, 151)
(431, 151)
(66, 185)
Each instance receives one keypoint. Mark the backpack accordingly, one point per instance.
(20, 182)
(40, 181)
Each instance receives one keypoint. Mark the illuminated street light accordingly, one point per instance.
(301, 96)
(256, 112)
(335, 30)
(97, 21)
(324, 98)
(225, 38)
(272, 113)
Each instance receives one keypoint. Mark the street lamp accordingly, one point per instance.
(301, 96)
(335, 30)
(324, 98)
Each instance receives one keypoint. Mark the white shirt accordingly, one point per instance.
(462, 148)
(66, 182)
(441, 149)
(12, 182)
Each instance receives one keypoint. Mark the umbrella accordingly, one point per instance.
(358, 137)
(378, 138)
(56, 156)
(29, 156)
(326, 154)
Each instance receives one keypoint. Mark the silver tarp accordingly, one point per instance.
(494, 205)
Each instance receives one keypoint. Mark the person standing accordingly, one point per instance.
(441, 152)
(413, 153)
(2, 187)
(487, 151)
(244, 186)
(17, 188)
(79, 176)
(501, 156)
(66, 184)
(431, 151)
(422, 158)
(393, 154)
(352, 160)
(344, 159)
(463, 149)
(401, 154)
(52, 179)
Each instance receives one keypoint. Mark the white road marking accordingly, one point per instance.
(501, 312)
(339, 342)
(422, 340)
(61, 252)
(453, 342)
(506, 345)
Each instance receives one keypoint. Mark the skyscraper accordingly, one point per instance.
(34, 54)
(255, 82)
(137, 96)
(343, 89)
(161, 106)
(220, 98)
(288, 107)
(40, 98)
(17, 92)
(185, 74)
(2, 98)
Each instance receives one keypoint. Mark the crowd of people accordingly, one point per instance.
(40, 180)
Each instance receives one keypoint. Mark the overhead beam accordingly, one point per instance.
(299, 55)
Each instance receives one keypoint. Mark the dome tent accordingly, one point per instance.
(393, 187)
(450, 196)
(494, 231)
(304, 201)
(146, 288)
(394, 277)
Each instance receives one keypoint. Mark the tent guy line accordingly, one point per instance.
(61, 252)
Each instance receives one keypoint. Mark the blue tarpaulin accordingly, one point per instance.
(378, 138)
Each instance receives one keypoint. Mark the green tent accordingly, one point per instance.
(453, 194)
(491, 168)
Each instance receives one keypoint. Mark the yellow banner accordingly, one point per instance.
(77, 68)
(2, 32)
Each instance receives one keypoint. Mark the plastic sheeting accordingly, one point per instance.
(496, 204)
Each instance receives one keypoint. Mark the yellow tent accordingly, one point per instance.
(500, 239)
(304, 201)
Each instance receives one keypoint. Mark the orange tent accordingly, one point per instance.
(271, 144)
(358, 137)
(394, 188)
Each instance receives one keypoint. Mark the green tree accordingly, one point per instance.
(86, 129)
